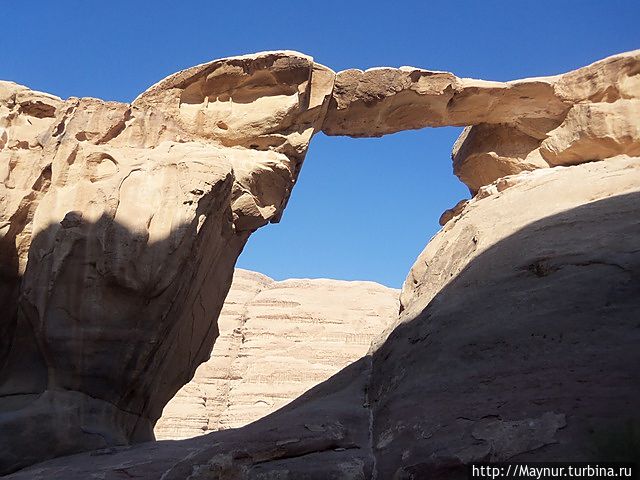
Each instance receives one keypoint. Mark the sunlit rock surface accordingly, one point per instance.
(587, 114)
(277, 340)
(121, 224)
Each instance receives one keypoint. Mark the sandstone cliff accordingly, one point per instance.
(277, 340)
(518, 341)
(122, 223)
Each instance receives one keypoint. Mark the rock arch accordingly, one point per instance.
(122, 222)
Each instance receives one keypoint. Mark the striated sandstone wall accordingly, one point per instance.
(277, 340)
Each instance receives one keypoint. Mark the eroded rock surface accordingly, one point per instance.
(518, 341)
(588, 114)
(121, 227)
(121, 224)
(277, 340)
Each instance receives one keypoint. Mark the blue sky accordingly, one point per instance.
(363, 208)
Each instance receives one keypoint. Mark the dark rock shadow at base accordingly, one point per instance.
(529, 354)
(110, 326)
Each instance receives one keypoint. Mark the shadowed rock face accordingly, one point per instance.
(121, 227)
(121, 224)
(524, 348)
(521, 315)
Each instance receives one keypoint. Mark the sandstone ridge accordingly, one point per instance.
(487, 362)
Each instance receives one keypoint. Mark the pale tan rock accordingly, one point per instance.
(584, 115)
(380, 101)
(451, 213)
(521, 317)
(507, 206)
(594, 131)
(518, 342)
(277, 340)
(484, 153)
(121, 224)
(120, 228)
(606, 80)
(197, 407)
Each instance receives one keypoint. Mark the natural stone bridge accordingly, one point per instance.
(121, 223)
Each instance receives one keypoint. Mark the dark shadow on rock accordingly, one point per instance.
(9, 288)
(107, 327)
(529, 354)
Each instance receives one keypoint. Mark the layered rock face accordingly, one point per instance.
(518, 334)
(277, 340)
(121, 226)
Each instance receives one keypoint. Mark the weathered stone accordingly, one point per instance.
(122, 224)
(451, 213)
(521, 316)
(594, 131)
(380, 101)
(277, 340)
(518, 341)
(484, 153)
(588, 114)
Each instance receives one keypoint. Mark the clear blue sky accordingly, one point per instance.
(363, 208)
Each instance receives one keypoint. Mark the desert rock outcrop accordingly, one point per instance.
(506, 313)
(277, 340)
(121, 224)
(121, 227)
(588, 114)
(518, 341)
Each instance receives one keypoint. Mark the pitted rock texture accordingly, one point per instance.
(121, 227)
(518, 341)
(277, 340)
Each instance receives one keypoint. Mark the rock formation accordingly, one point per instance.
(122, 223)
(518, 341)
(588, 114)
(509, 309)
(277, 340)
